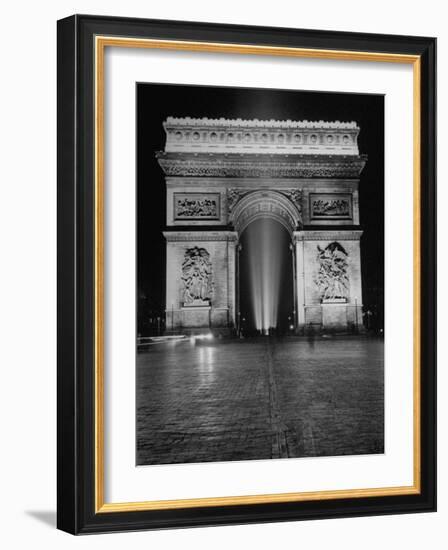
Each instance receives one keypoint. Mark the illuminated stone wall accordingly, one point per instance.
(223, 174)
(217, 311)
(333, 312)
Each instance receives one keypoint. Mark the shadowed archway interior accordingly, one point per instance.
(266, 278)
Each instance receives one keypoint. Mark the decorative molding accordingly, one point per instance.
(330, 235)
(194, 206)
(239, 166)
(269, 136)
(247, 123)
(200, 236)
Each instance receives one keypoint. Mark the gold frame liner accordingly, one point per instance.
(101, 42)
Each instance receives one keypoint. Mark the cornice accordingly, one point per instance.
(257, 123)
(265, 136)
(200, 236)
(328, 235)
(240, 166)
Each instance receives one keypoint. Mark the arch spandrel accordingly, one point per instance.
(265, 204)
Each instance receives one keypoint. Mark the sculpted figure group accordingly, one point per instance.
(196, 275)
(332, 279)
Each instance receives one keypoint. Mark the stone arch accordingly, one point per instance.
(265, 204)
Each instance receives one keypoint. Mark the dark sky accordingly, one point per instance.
(155, 102)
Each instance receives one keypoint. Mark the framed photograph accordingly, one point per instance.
(246, 274)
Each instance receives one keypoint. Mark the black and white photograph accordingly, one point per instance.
(260, 274)
(219, 279)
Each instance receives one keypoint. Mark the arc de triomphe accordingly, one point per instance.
(223, 174)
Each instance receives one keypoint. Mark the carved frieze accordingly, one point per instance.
(196, 277)
(332, 278)
(191, 206)
(330, 206)
(257, 123)
(263, 167)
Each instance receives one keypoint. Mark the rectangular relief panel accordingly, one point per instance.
(331, 206)
(196, 206)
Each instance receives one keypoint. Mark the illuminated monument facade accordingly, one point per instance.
(221, 175)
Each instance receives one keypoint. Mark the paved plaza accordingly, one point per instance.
(259, 398)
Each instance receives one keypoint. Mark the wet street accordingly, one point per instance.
(259, 398)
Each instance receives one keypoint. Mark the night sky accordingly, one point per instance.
(155, 102)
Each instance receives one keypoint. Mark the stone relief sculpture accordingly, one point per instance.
(332, 279)
(331, 207)
(196, 208)
(262, 168)
(295, 196)
(196, 277)
(233, 196)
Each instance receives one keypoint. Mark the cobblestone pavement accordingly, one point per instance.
(259, 399)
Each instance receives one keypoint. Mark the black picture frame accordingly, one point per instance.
(76, 475)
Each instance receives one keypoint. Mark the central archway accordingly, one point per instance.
(265, 221)
(266, 281)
